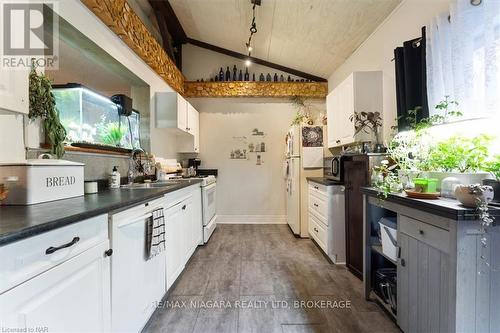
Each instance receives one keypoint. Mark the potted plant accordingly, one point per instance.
(460, 157)
(493, 167)
(42, 105)
(369, 123)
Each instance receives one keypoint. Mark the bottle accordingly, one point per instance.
(235, 73)
(275, 77)
(228, 74)
(114, 179)
(221, 75)
(253, 77)
(261, 77)
(268, 77)
(247, 75)
(289, 79)
(240, 77)
(282, 78)
(216, 78)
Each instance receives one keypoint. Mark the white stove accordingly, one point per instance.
(208, 199)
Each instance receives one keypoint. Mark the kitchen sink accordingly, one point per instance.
(142, 186)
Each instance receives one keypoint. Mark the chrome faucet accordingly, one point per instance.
(136, 167)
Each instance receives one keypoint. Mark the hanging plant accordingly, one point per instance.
(303, 116)
(42, 105)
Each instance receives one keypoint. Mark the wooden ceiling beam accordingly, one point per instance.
(172, 22)
(255, 60)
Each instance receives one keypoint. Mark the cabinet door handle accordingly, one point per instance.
(403, 263)
(315, 205)
(337, 141)
(184, 207)
(420, 231)
(315, 229)
(317, 188)
(53, 249)
(108, 253)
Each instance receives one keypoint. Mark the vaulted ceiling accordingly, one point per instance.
(313, 36)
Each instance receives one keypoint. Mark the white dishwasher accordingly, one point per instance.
(137, 284)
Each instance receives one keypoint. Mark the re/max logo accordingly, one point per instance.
(60, 181)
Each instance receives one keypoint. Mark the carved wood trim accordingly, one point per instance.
(125, 23)
(255, 89)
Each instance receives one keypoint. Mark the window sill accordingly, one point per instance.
(88, 150)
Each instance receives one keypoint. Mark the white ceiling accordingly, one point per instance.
(313, 36)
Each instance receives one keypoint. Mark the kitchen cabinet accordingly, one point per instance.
(423, 282)
(191, 143)
(14, 90)
(327, 219)
(359, 92)
(173, 112)
(183, 229)
(446, 280)
(73, 295)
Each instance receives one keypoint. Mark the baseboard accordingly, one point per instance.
(251, 219)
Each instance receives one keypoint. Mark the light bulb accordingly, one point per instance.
(248, 62)
(250, 49)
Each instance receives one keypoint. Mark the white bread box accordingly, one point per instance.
(41, 180)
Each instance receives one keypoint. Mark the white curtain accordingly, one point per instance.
(463, 58)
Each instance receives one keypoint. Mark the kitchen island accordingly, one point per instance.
(446, 280)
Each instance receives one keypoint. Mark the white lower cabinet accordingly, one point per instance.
(174, 243)
(184, 229)
(71, 297)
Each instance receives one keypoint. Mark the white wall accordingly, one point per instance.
(404, 23)
(246, 191)
(199, 63)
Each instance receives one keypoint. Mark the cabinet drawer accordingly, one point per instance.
(26, 258)
(318, 190)
(317, 231)
(319, 207)
(426, 233)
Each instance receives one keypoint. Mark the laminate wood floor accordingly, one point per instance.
(260, 278)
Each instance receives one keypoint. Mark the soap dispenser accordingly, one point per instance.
(114, 179)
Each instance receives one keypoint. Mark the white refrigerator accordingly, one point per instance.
(300, 162)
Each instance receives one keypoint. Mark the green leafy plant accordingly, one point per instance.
(367, 122)
(113, 134)
(493, 167)
(385, 179)
(460, 154)
(445, 113)
(302, 115)
(42, 105)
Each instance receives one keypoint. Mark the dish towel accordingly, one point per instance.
(312, 157)
(155, 234)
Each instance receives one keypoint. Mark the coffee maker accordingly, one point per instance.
(195, 163)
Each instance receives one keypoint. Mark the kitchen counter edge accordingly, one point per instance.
(20, 222)
(448, 208)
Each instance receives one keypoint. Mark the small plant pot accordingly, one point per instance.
(470, 199)
(495, 184)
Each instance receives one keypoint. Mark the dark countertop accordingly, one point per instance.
(19, 222)
(444, 207)
(324, 181)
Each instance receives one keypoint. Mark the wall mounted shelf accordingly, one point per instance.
(255, 89)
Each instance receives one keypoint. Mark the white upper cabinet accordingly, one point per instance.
(359, 92)
(171, 111)
(174, 112)
(14, 90)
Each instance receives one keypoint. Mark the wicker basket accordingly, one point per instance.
(3, 192)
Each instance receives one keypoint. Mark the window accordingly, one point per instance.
(92, 119)
(463, 58)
